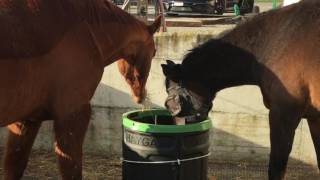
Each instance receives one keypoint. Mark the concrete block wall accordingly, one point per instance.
(240, 133)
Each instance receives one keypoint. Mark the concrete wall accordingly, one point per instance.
(240, 132)
(289, 2)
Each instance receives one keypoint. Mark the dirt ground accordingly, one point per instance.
(42, 166)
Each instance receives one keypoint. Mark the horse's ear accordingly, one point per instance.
(165, 69)
(155, 25)
(169, 62)
(171, 71)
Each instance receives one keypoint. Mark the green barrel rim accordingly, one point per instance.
(154, 128)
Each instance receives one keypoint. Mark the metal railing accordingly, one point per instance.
(144, 9)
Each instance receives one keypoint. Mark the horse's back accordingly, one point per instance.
(293, 32)
(30, 28)
(299, 35)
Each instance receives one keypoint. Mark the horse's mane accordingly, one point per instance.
(199, 57)
(213, 56)
(96, 11)
(201, 53)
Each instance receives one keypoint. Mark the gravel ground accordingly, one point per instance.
(42, 166)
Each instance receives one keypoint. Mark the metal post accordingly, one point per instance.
(236, 10)
(274, 4)
(125, 6)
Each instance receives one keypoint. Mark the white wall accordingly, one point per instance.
(240, 132)
(288, 2)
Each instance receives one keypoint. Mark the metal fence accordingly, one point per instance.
(144, 10)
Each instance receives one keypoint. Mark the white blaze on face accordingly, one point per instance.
(288, 2)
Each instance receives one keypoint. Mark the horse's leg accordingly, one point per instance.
(282, 130)
(20, 140)
(314, 126)
(70, 131)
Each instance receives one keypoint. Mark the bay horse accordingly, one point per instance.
(277, 51)
(52, 57)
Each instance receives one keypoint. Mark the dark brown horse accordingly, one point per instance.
(277, 51)
(52, 56)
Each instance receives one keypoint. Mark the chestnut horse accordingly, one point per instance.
(277, 51)
(52, 56)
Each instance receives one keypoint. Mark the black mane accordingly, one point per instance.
(215, 55)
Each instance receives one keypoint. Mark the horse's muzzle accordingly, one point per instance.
(139, 99)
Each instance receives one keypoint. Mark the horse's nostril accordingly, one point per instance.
(173, 107)
(138, 100)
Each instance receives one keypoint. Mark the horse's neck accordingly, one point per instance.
(261, 34)
(113, 43)
(260, 37)
(248, 38)
(250, 41)
(113, 30)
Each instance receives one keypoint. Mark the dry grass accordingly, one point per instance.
(43, 166)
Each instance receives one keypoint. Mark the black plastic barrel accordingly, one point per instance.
(154, 149)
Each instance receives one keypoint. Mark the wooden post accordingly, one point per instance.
(159, 10)
(163, 27)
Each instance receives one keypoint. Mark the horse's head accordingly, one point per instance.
(135, 66)
(186, 97)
